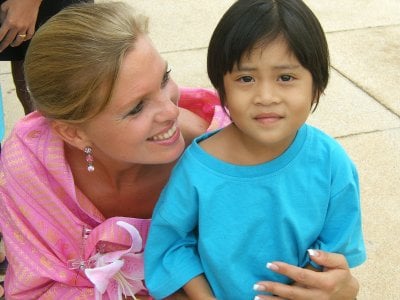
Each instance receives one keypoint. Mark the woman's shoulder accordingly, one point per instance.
(206, 104)
(30, 127)
(33, 122)
(200, 101)
(31, 142)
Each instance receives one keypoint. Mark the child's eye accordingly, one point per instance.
(286, 78)
(246, 79)
(166, 78)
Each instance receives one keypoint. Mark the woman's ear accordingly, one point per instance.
(70, 133)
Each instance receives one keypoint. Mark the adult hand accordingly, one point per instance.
(18, 19)
(334, 283)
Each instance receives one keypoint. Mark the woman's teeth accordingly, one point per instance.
(165, 135)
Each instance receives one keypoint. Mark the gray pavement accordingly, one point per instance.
(361, 107)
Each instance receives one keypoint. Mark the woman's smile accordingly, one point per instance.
(168, 136)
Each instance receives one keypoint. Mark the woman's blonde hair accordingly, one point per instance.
(74, 59)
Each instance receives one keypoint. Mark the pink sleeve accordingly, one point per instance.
(206, 104)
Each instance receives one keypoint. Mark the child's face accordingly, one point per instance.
(269, 95)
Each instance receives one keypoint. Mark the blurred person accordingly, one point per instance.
(19, 19)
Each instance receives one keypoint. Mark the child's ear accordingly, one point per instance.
(71, 133)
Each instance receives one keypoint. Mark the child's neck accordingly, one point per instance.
(232, 146)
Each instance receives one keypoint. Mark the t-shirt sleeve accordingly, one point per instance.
(342, 231)
(171, 257)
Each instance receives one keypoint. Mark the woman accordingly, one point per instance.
(80, 178)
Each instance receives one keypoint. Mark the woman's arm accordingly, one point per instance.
(334, 283)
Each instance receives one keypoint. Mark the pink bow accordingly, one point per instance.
(119, 272)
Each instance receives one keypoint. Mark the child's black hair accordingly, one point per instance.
(248, 24)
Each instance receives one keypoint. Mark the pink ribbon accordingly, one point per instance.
(119, 272)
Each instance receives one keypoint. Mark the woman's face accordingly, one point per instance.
(139, 126)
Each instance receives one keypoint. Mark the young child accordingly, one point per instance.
(268, 187)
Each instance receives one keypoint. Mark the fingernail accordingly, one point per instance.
(272, 267)
(313, 252)
(258, 287)
(257, 298)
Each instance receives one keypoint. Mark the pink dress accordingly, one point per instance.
(59, 246)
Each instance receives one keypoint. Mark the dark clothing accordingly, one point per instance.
(48, 8)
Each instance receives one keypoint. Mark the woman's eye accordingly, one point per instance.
(137, 109)
(246, 79)
(166, 78)
(286, 78)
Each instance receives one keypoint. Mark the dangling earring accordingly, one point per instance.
(89, 158)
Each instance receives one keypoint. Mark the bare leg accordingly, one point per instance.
(17, 68)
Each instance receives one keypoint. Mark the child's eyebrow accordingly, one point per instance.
(244, 68)
(277, 67)
(287, 67)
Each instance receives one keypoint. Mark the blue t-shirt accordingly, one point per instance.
(227, 221)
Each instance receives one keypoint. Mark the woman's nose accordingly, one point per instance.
(166, 106)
